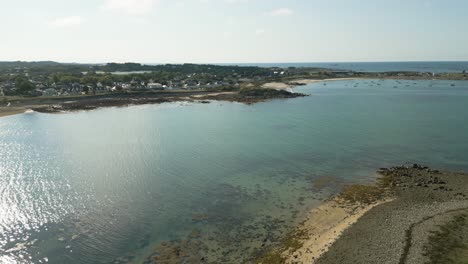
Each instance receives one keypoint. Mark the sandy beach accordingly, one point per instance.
(293, 83)
(8, 111)
(276, 85)
(309, 81)
(425, 202)
(323, 226)
(412, 214)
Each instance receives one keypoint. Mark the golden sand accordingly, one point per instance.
(323, 226)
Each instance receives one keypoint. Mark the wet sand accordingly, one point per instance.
(8, 111)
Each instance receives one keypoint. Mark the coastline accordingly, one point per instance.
(91, 102)
(247, 95)
(391, 221)
(323, 226)
(401, 231)
(309, 81)
(4, 111)
(298, 82)
(331, 223)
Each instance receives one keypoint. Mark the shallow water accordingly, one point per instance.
(212, 182)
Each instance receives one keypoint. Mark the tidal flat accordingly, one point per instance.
(416, 226)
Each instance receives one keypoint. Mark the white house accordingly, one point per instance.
(49, 92)
(154, 86)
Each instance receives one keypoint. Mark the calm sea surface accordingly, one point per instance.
(414, 66)
(212, 183)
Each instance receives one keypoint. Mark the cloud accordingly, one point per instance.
(69, 21)
(280, 12)
(132, 7)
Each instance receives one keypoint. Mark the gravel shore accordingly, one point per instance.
(399, 231)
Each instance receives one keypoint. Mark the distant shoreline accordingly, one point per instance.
(262, 93)
(79, 103)
(298, 82)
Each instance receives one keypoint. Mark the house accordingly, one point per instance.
(49, 92)
(245, 80)
(155, 86)
(176, 84)
(190, 84)
(36, 92)
(116, 88)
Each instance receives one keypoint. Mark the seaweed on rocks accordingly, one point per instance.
(424, 200)
(449, 244)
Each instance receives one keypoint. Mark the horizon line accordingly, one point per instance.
(235, 63)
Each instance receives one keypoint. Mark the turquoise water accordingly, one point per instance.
(208, 183)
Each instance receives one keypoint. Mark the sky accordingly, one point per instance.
(233, 31)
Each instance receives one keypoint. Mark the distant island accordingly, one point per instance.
(51, 87)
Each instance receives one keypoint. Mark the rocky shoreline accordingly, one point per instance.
(399, 231)
(412, 214)
(407, 216)
(57, 105)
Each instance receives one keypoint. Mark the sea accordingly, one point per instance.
(210, 183)
(409, 66)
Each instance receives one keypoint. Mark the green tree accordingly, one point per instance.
(23, 85)
(106, 80)
(55, 78)
(67, 79)
(88, 80)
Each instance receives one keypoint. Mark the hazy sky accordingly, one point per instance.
(202, 31)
